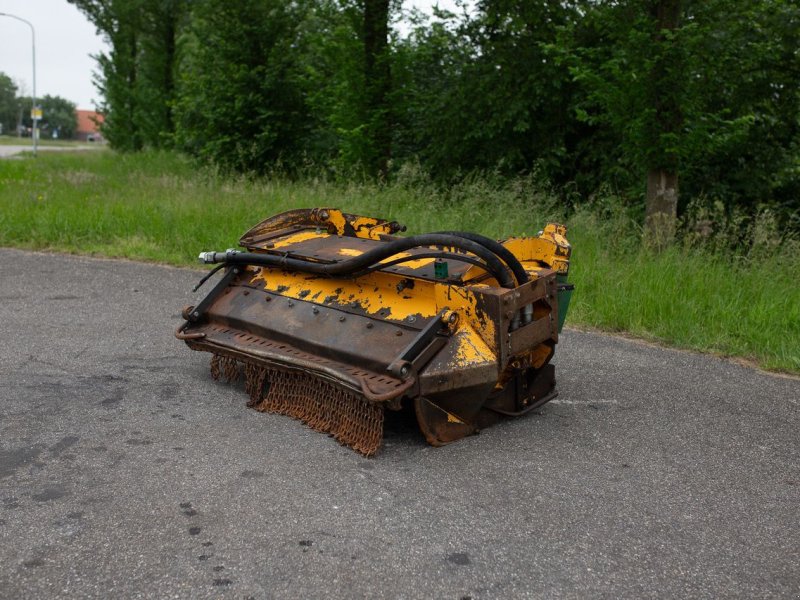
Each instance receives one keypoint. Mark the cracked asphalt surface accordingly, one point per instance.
(126, 471)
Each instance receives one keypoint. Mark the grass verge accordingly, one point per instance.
(159, 207)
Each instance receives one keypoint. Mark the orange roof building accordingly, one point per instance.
(89, 122)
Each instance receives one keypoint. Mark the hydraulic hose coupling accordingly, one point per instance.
(210, 258)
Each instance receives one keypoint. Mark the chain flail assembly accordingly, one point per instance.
(348, 417)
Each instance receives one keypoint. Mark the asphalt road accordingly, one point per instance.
(126, 472)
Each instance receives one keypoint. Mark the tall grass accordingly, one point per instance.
(159, 207)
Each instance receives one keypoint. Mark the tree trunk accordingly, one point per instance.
(377, 80)
(661, 207)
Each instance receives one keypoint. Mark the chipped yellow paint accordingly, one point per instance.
(301, 237)
(451, 418)
(378, 292)
(373, 293)
(296, 238)
(363, 223)
(470, 348)
(551, 248)
(416, 264)
(476, 272)
(411, 264)
(395, 256)
(463, 301)
(368, 228)
(337, 219)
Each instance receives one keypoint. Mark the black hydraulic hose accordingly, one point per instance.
(493, 264)
(207, 277)
(494, 246)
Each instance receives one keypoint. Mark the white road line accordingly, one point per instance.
(561, 401)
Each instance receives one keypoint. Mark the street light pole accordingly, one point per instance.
(34, 113)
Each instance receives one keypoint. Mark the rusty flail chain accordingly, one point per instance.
(348, 417)
(255, 380)
(224, 366)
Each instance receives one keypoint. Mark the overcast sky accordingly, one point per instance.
(65, 41)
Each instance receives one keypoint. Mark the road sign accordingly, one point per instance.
(36, 113)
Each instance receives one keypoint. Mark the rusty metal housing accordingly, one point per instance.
(333, 318)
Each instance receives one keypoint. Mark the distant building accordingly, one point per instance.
(89, 122)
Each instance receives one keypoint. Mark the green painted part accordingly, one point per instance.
(564, 296)
(440, 270)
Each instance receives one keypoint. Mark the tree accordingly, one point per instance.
(482, 91)
(377, 84)
(633, 77)
(9, 107)
(162, 24)
(332, 83)
(694, 89)
(58, 115)
(744, 147)
(241, 103)
(430, 99)
(137, 76)
(347, 80)
(120, 22)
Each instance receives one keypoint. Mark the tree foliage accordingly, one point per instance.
(58, 116)
(58, 113)
(588, 94)
(137, 76)
(241, 102)
(730, 77)
(9, 107)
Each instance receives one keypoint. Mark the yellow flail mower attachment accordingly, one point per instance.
(333, 318)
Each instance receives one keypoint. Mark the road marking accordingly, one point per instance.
(560, 401)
